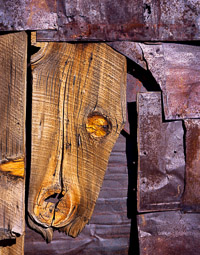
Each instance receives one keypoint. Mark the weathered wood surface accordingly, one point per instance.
(78, 111)
(176, 69)
(12, 246)
(13, 61)
(165, 233)
(191, 196)
(106, 20)
(108, 231)
(161, 162)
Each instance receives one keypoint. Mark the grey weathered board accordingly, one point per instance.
(161, 163)
(13, 61)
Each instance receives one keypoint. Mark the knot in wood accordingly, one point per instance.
(97, 125)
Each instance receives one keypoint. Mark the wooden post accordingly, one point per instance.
(78, 112)
(13, 61)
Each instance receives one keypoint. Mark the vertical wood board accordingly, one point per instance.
(13, 63)
(78, 111)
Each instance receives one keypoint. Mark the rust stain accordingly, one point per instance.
(14, 167)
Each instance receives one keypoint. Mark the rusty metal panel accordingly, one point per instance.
(110, 20)
(176, 68)
(105, 20)
(165, 233)
(161, 163)
(28, 15)
(131, 50)
(191, 196)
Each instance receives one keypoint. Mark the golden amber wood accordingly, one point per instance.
(78, 112)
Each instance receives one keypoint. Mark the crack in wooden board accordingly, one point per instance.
(72, 85)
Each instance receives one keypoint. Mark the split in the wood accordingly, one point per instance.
(78, 111)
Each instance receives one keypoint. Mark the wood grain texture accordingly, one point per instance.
(13, 62)
(108, 230)
(72, 84)
(12, 246)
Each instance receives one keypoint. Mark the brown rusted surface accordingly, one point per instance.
(108, 231)
(28, 15)
(161, 163)
(125, 20)
(106, 20)
(165, 233)
(191, 197)
(176, 69)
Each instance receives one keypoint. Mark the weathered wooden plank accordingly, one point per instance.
(108, 231)
(78, 108)
(165, 233)
(191, 196)
(176, 69)
(12, 246)
(13, 61)
(161, 162)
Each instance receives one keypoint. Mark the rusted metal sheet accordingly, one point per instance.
(161, 163)
(28, 15)
(165, 233)
(105, 20)
(176, 68)
(109, 20)
(191, 196)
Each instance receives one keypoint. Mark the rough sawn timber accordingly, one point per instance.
(13, 62)
(78, 111)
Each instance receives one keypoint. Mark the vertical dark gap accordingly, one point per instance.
(132, 163)
(150, 84)
(28, 121)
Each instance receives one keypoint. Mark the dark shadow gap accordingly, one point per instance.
(28, 122)
(144, 76)
(132, 162)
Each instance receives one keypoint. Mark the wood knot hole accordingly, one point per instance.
(97, 125)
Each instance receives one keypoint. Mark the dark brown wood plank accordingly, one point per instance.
(191, 196)
(165, 233)
(161, 162)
